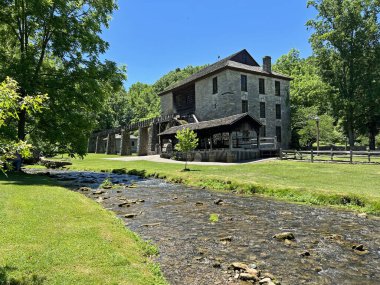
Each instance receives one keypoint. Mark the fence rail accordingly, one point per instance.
(332, 155)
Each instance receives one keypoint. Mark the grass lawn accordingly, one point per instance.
(353, 186)
(50, 235)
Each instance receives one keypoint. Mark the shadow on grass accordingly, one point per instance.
(46, 179)
(25, 280)
(20, 178)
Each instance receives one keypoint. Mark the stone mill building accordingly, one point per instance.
(239, 110)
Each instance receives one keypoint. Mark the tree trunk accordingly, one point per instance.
(21, 125)
(351, 138)
(372, 138)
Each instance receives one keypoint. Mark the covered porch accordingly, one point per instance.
(228, 139)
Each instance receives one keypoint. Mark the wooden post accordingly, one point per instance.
(230, 140)
(350, 155)
(331, 154)
(369, 155)
(281, 154)
(312, 155)
(258, 139)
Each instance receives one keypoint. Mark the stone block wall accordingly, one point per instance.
(210, 106)
(167, 105)
(228, 100)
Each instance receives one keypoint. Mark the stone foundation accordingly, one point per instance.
(219, 155)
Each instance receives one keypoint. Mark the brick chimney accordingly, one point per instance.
(267, 64)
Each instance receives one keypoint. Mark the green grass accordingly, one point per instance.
(50, 235)
(214, 218)
(350, 186)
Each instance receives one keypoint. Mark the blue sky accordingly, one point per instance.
(153, 37)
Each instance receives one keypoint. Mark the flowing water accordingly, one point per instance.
(194, 250)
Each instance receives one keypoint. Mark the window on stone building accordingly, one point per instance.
(261, 86)
(262, 109)
(215, 85)
(244, 106)
(263, 132)
(243, 80)
(278, 111)
(132, 143)
(278, 134)
(277, 87)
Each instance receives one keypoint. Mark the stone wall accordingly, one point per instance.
(228, 100)
(143, 141)
(210, 106)
(167, 105)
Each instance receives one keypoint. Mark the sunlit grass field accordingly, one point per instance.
(355, 186)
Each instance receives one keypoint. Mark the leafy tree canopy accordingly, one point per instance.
(346, 43)
(187, 141)
(10, 104)
(53, 47)
(310, 96)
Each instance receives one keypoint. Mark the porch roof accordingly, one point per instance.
(226, 122)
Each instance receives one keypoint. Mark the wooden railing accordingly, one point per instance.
(332, 156)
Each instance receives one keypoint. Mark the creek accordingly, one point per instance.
(195, 250)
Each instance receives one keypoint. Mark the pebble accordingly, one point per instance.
(363, 215)
(218, 202)
(84, 189)
(238, 266)
(266, 281)
(227, 238)
(248, 276)
(304, 253)
(284, 235)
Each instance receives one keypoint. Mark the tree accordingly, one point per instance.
(175, 76)
(345, 42)
(187, 141)
(10, 104)
(53, 47)
(329, 133)
(144, 102)
(309, 94)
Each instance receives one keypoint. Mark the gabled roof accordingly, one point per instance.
(241, 60)
(222, 122)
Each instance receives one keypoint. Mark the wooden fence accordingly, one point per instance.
(332, 155)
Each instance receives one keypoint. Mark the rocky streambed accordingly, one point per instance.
(206, 237)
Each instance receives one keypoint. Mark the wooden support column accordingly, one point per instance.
(230, 141)
(111, 144)
(258, 138)
(125, 143)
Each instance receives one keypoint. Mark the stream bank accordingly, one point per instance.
(329, 246)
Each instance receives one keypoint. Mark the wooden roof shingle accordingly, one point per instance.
(222, 122)
(233, 61)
